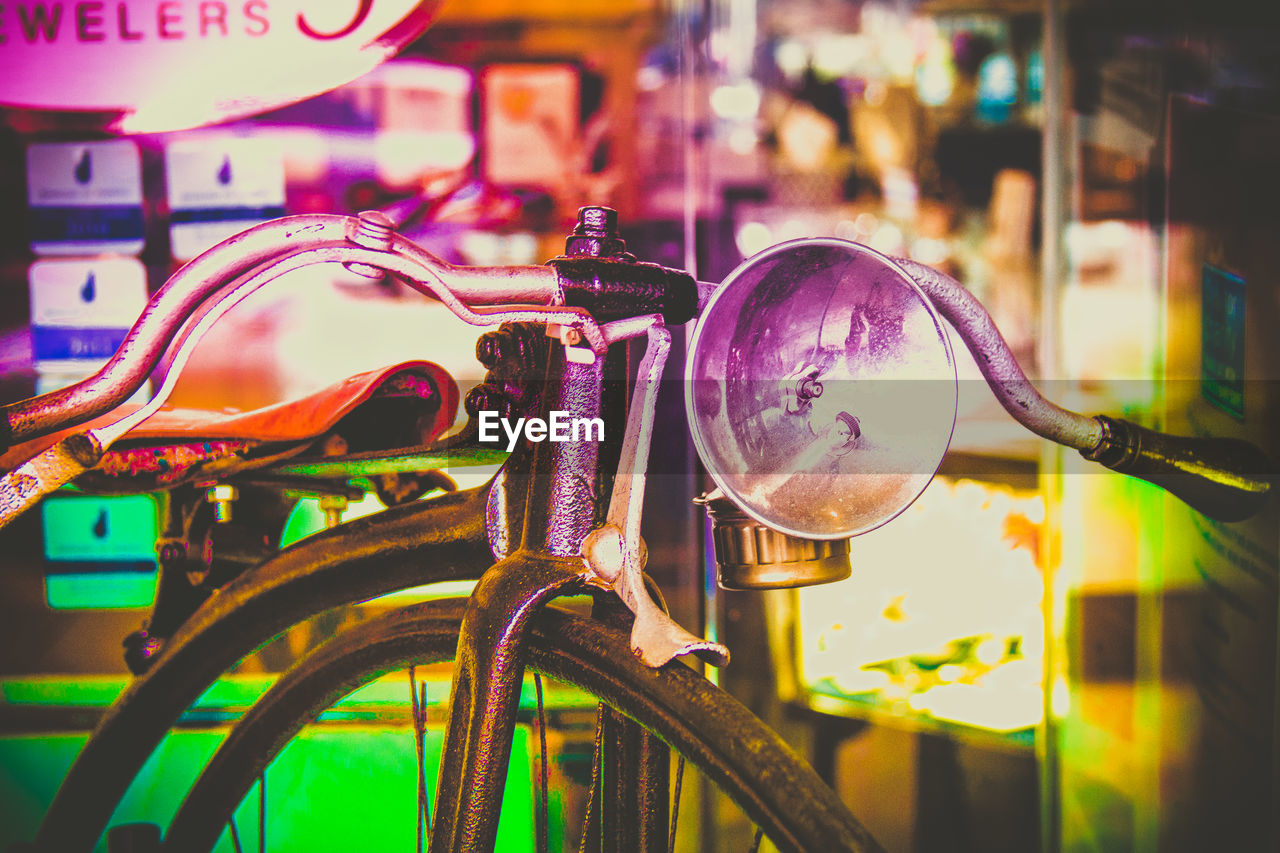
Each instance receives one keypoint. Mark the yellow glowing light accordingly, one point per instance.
(884, 148)
(990, 651)
(806, 138)
(839, 55)
(942, 586)
(875, 94)
(879, 18)
(863, 681)
(1006, 711)
(888, 238)
(935, 81)
(774, 577)
(1060, 698)
(899, 54)
(930, 250)
(1034, 510)
(743, 140)
(446, 589)
(792, 57)
(950, 672)
(753, 237)
(896, 692)
(739, 101)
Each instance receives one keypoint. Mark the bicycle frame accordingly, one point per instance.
(553, 508)
(553, 501)
(442, 539)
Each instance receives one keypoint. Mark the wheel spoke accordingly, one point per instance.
(695, 718)
(262, 811)
(592, 812)
(543, 804)
(422, 760)
(235, 836)
(419, 748)
(675, 803)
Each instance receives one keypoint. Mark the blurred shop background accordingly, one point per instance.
(1035, 655)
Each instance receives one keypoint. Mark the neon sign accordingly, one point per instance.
(150, 65)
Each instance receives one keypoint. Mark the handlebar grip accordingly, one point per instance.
(1224, 478)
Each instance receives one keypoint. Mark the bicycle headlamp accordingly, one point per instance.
(750, 555)
(821, 388)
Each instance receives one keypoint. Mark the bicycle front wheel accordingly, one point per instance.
(750, 763)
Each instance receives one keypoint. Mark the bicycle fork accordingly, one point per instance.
(562, 505)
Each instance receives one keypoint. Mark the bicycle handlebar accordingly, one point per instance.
(151, 335)
(1226, 479)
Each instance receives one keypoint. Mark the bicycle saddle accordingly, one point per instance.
(403, 405)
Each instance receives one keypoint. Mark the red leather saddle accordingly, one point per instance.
(405, 405)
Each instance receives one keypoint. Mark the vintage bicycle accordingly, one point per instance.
(818, 387)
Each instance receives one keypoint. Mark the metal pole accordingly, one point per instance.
(1054, 155)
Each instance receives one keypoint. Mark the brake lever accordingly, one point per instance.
(615, 552)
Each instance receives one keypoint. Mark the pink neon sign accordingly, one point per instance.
(150, 65)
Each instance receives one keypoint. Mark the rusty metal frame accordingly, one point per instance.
(487, 678)
(715, 731)
(441, 539)
(563, 503)
(446, 538)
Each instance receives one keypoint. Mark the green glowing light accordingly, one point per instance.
(117, 590)
(307, 518)
(348, 788)
(84, 527)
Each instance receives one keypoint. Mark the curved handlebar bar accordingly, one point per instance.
(572, 291)
(1001, 370)
(151, 335)
(1224, 478)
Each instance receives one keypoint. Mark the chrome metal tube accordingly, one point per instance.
(199, 279)
(168, 309)
(1015, 392)
(502, 285)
